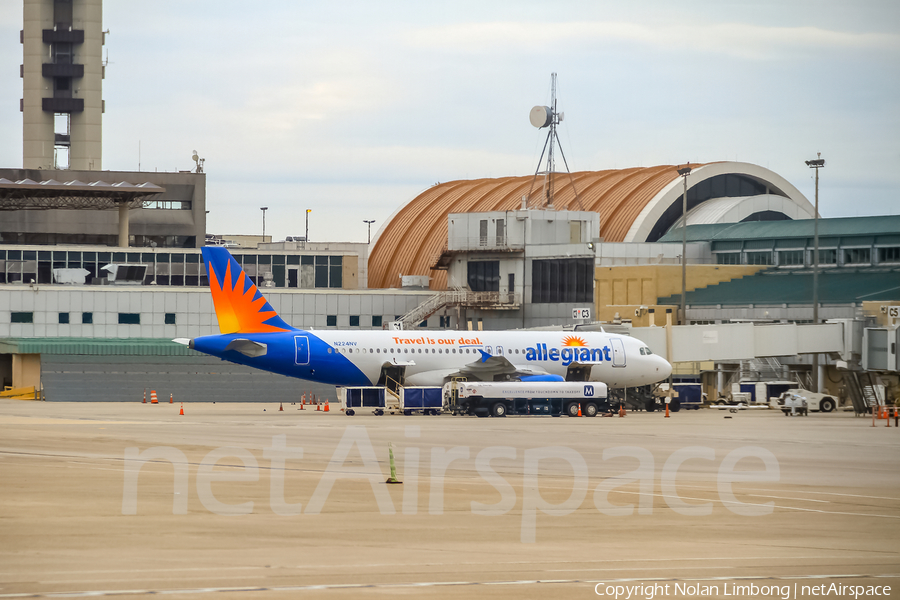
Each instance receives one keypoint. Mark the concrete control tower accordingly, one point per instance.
(62, 74)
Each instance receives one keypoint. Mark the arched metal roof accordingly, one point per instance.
(630, 202)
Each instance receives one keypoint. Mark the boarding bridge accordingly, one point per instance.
(864, 349)
(735, 342)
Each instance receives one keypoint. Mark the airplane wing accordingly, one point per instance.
(488, 367)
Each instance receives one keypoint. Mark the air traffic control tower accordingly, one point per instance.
(62, 74)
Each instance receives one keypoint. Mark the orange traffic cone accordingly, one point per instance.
(171, 399)
(281, 407)
(145, 396)
(153, 399)
(579, 410)
(182, 409)
(667, 410)
(302, 402)
(326, 406)
(622, 410)
(318, 407)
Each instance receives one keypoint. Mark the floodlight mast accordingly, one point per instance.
(816, 164)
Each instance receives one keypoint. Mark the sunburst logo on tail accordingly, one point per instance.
(240, 307)
(571, 340)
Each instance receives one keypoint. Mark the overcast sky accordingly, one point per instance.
(352, 108)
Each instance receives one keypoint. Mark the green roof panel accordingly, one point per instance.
(887, 225)
(795, 287)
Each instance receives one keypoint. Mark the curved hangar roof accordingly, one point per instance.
(635, 205)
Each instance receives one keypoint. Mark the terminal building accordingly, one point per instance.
(99, 270)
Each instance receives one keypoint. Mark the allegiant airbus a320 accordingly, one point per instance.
(253, 334)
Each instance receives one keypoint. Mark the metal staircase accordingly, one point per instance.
(458, 297)
(761, 369)
(392, 389)
(861, 388)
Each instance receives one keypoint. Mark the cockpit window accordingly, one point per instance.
(646, 350)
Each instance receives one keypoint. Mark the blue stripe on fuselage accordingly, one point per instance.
(324, 365)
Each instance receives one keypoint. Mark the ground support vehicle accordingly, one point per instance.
(812, 400)
(498, 399)
(756, 392)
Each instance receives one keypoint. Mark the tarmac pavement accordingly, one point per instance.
(134, 500)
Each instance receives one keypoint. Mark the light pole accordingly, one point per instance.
(369, 223)
(683, 172)
(308, 210)
(264, 209)
(816, 164)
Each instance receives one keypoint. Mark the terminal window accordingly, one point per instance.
(891, 254)
(728, 258)
(562, 280)
(170, 318)
(87, 318)
(129, 318)
(331, 320)
(484, 276)
(354, 320)
(376, 320)
(22, 317)
(790, 257)
(857, 256)
(63, 317)
(827, 257)
(759, 258)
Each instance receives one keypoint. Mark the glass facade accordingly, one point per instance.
(484, 276)
(562, 280)
(728, 258)
(857, 256)
(173, 267)
(759, 258)
(889, 255)
(790, 257)
(51, 239)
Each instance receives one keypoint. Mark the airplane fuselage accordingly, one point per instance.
(428, 357)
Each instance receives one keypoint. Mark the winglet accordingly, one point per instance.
(484, 355)
(240, 307)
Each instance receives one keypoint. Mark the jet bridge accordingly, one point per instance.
(734, 342)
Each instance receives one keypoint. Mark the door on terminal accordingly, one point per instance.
(293, 277)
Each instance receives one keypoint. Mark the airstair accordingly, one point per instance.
(862, 391)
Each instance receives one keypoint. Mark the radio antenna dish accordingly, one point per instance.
(546, 116)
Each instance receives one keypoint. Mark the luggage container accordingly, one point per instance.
(355, 398)
(427, 400)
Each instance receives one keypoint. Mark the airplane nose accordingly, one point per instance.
(664, 368)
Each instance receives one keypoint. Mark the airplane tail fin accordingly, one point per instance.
(240, 307)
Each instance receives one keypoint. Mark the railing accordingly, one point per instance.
(484, 242)
(459, 297)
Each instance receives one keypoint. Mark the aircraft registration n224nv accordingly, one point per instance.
(253, 334)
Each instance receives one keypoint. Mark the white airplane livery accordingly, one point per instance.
(253, 334)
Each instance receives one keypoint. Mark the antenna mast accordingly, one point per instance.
(547, 116)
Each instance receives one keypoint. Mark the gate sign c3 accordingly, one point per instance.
(581, 313)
